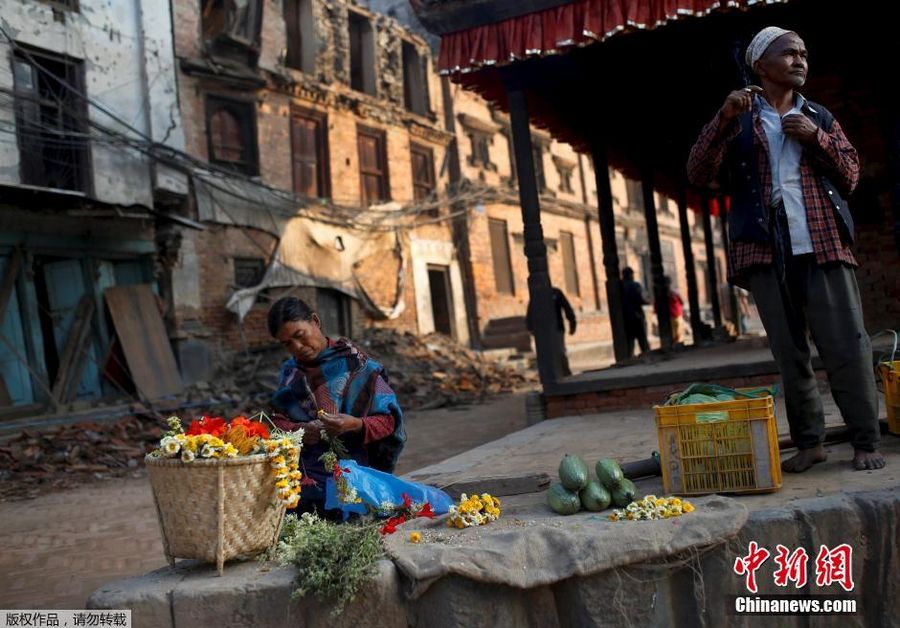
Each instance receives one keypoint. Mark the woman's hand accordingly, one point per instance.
(312, 432)
(337, 424)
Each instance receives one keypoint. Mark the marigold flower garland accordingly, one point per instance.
(474, 511)
(652, 507)
(214, 438)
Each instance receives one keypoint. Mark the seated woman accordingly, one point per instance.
(332, 385)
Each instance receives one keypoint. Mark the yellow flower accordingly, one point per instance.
(415, 537)
(614, 516)
(687, 507)
(229, 450)
(281, 484)
(675, 501)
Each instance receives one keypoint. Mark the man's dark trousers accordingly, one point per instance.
(825, 301)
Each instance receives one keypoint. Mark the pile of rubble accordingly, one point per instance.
(434, 371)
(425, 372)
(61, 457)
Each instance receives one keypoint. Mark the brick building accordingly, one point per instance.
(340, 109)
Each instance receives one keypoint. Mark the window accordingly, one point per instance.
(503, 274)
(635, 194)
(647, 275)
(422, 171)
(71, 5)
(248, 271)
(362, 54)
(481, 152)
(333, 308)
(237, 20)
(51, 121)
(309, 154)
(566, 169)
(415, 80)
(537, 152)
(567, 248)
(662, 204)
(301, 35)
(667, 250)
(373, 173)
(231, 127)
(507, 133)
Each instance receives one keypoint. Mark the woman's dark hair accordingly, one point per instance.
(286, 310)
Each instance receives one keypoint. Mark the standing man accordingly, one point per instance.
(789, 168)
(561, 306)
(633, 302)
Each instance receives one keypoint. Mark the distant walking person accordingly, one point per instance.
(633, 301)
(676, 312)
(561, 306)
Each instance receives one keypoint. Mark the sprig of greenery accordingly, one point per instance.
(333, 560)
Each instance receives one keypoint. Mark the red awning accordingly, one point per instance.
(556, 30)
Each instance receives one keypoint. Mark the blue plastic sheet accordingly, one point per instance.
(376, 487)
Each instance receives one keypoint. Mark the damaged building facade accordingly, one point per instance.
(334, 122)
(225, 154)
(87, 89)
(331, 121)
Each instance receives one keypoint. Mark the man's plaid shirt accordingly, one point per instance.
(833, 148)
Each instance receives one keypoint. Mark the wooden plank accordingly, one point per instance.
(142, 333)
(74, 355)
(9, 281)
(500, 485)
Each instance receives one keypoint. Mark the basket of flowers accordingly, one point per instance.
(221, 488)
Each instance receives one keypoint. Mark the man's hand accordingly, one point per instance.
(337, 424)
(799, 127)
(739, 101)
(571, 329)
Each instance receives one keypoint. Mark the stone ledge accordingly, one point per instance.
(255, 594)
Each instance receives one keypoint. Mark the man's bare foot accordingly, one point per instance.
(804, 459)
(863, 460)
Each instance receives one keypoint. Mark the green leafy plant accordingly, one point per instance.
(333, 560)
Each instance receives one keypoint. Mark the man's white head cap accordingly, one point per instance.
(761, 41)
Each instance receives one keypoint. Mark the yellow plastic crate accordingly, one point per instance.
(724, 447)
(890, 377)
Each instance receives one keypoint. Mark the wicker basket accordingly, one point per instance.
(215, 510)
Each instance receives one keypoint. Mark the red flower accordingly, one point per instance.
(391, 526)
(307, 481)
(426, 511)
(214, 426)
(407, 501)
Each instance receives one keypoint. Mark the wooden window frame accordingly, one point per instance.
(384, 177)
(74, 113)
(507, 261)
(570, 266)
(213, 103)
(423, 191)
(323, 171)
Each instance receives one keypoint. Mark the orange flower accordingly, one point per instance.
(237, 435)
(253, 429)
